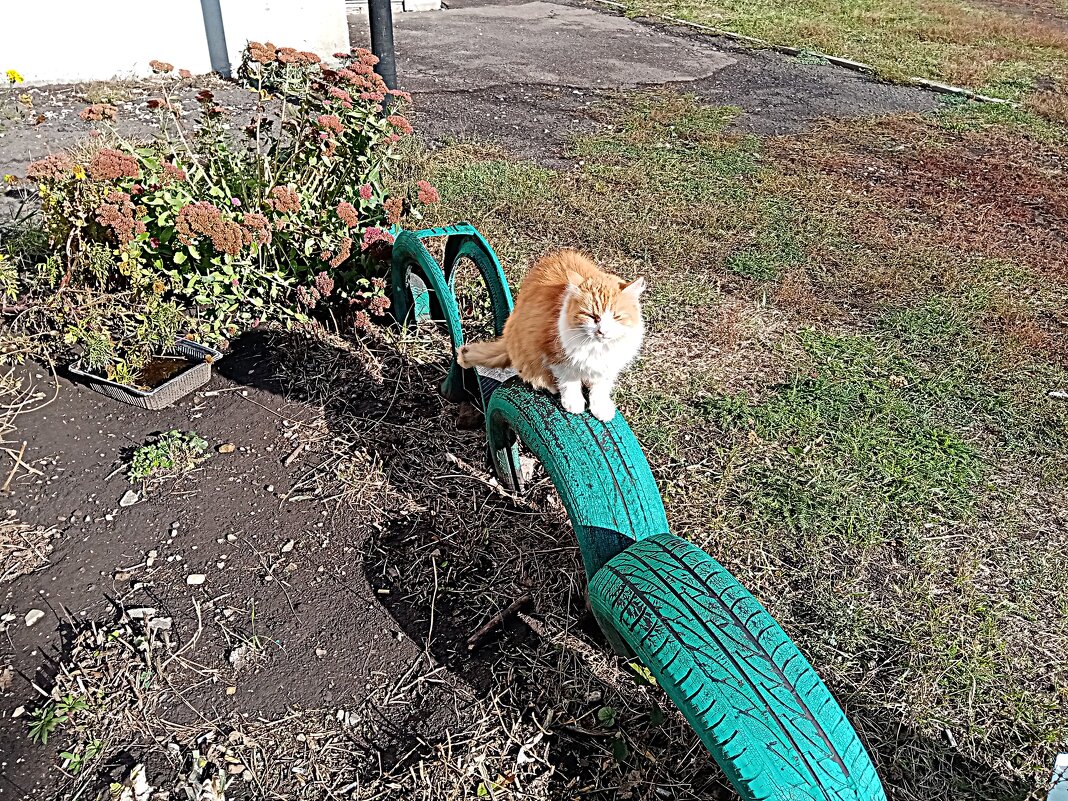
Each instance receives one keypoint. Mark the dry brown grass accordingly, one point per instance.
(23, 548)
(1051, 104)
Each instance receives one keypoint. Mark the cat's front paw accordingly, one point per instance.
(573, 402)
(603, 409)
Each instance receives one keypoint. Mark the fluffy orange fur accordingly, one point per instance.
(568, 282)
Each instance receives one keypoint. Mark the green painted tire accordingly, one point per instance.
(754, 700)
(598, 468)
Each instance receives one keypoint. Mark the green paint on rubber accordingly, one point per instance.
(598, 468)
(743, 685)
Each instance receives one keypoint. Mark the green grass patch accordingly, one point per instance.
(972, 45)
(970, 116)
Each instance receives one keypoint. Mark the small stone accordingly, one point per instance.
(226, 447)
(193, 579)
(231, 537)
(231, 691)
(288, 546)
(34, 616)
(270, 487)
(109, 517)
(129, 499)
(151, 559)
(174, 525)
(122, 575)
(320, 652)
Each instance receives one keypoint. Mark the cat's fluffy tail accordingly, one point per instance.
(484, 354)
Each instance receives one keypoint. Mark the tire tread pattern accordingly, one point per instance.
(752, 697)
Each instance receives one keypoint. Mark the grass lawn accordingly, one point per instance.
(852, 334)
(1013, 50)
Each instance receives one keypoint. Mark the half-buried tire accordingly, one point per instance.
(755, 701)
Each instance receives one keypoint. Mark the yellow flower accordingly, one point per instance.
(14, 76)
(79, 172)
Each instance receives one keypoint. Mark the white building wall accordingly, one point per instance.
(60, 41)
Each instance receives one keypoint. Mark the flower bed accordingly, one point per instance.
(218, 224)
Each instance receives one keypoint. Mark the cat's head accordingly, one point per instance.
(605, 310)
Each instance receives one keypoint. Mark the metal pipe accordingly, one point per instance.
(381, 14)
(216, 35)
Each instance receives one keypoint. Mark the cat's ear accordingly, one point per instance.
(574, 279)
(634, 289)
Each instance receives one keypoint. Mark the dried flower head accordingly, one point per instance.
(262, 53)
(289, 55)
(366, 192)
(400, 93)
(427, 192)
(110, 165)
(343, 252)
(185, 74)
(324, 285)
(329, 122)
(160, 67)
(305, 298)
(400, 123)
(118, 213)
(173, 173)
(362, 322)
(394, 209)
(285, 200)
(202, 219)
(348, 214)
(98, 112)
(373, 235)
(50, 168)
(160, 103)
(365, 56)
(339, 94)
(258, 227)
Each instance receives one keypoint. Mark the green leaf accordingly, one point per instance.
(644, 675)
(180, 257)
(606, 716)
(657, 716)
(193, 252)
(619, 750)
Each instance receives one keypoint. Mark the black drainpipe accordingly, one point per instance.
(381, 14)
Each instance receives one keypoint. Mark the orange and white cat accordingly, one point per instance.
(573, 325)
